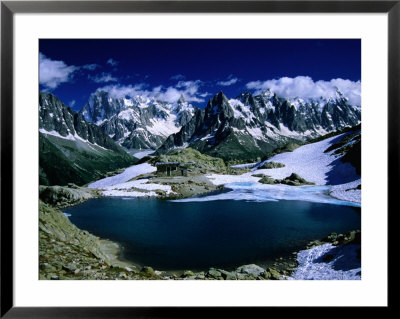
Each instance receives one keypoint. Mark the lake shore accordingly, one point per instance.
(141, 181)
(105, 262)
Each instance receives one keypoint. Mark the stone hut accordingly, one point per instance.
(171, 169)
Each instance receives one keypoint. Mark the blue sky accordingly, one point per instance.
(198, 69)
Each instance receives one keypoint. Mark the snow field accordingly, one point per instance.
(310, 162)
(118, 185)
(342, 263)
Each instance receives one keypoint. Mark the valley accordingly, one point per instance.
(260, 150)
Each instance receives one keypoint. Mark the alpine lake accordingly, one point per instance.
(178, 235)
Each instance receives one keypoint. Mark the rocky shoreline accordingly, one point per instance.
(68, 253)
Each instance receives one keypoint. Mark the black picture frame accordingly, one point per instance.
(9, 8)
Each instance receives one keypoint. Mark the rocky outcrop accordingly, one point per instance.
(198, 163)
(292, 180)
(61, 196)
(295, 180)
(269, 165)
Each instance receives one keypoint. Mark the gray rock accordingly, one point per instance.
(188, 273)
(251, 269)
(274, 274)
(227, 275)
(71, 267)
(149, 271)
(214, 273)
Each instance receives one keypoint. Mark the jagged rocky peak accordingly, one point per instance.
(55, 116)
(101, 106)
(180, 105)
(253, 124)
(245, 97)
(138, 122)
(181, 100)
(57, 119)
(219, 104)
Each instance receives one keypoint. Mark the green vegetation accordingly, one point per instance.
(270, 165)
(267, 180)
(350, 147)
(339, 146)
(236, 147)
(289, 147)
(63, 161)
(353, 156)
(201, 163)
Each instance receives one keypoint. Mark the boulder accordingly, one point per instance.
(274, 274)
(148, 271)
(295, 180)
(188, 273)
(251, 269)
(267, 180)
(213, 273)
(227, 275)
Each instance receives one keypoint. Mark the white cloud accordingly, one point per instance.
(90, 67)
(304, 87)
(112, 62)
(52, 73)
(230, 81)
(72, 103)
(102, 78)
(120, 91)
(177, 77)
(189, 90)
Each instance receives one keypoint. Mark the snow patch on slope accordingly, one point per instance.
(71, 137)
(163, 127)
(343, 265)
(128, 189)
(119, 185)
(142, 153)
(347, 191)
(126, 175)
(311, 163)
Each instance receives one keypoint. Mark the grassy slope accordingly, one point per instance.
(64, 161)
(186, 155)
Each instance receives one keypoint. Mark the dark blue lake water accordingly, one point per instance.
(197, 235)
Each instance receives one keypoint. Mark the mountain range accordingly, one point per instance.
(250, 126)
(139, 122)
(72, 149)
(96, 139)
(242, 128)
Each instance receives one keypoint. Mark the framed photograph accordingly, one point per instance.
(163, 155)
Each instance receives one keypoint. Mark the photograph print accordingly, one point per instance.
(199, 159)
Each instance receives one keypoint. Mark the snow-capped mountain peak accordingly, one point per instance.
(251, 125)
(138, 122)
